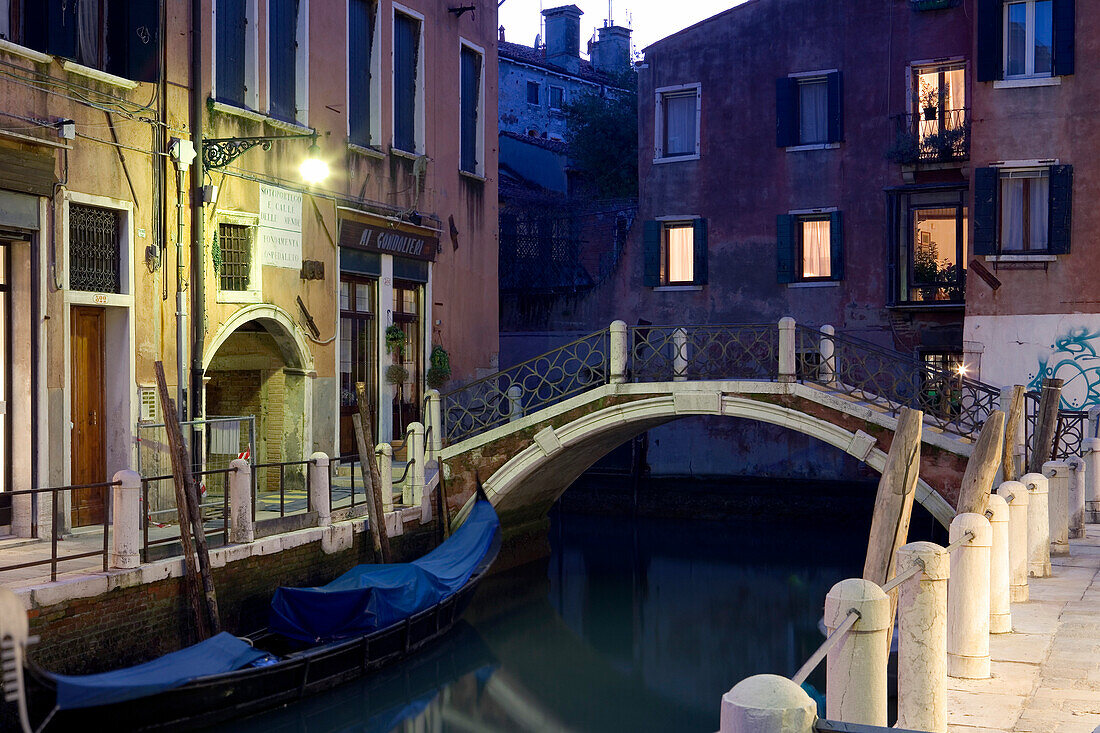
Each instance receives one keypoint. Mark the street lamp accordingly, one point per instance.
(221, 151)
(313, 169)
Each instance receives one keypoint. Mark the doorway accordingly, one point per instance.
(407, 298)
(88, 439)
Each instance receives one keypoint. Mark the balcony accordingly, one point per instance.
(932, 136)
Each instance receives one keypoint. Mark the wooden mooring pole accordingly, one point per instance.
(1012, 430)
(982, 466)
(1042, 445)
(363, 422)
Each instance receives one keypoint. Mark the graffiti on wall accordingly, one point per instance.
(1073, 359)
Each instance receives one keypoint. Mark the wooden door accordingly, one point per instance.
(88, 459)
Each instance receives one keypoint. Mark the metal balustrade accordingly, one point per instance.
(663, 353)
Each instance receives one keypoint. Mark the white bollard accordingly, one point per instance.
(1038, 526)
(435, 421)
(414, 452)
(1090, 449)
(241, 530)
(827, 349)
(1077, 481)
(383, 453)
(787, 350)
(1000, 613)
(968, 599)
(515, 403)
(680, 355)
(855, 686)
(319, 497)
(767, 703)
(922, 638)
(1016, 495)
(126, 520)
(619, 348)
(1057, 473)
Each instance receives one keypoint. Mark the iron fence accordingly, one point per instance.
(1069, 432)
(161, 526)
(290, 480)
(942, 137)
(659, 353)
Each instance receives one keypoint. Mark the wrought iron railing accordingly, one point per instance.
(933, 136)
(661, 353)
(1069, 432)
(161, 526)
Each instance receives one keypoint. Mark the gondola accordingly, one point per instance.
(317, 638)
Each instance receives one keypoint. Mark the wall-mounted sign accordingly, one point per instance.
(388, 239)
(280, 227)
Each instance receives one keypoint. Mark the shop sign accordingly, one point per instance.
(388, 240)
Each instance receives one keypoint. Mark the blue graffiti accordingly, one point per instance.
(1074, 360)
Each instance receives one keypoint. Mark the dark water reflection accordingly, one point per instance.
(632, 625)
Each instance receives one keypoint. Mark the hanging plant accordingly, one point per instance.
(395, 341)
(396, 374)
(439, 369)
(216, 255)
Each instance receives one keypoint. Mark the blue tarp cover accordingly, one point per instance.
(221, 653)
(371, 597)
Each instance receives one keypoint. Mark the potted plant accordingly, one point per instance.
(439, 367)
(929, 100)
(395, 341)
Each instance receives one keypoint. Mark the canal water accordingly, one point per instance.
(632, 624)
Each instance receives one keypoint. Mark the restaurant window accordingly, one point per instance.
(95, 259)
(407, 316)
(678, 111)
(358, 353)
(675, 252)
(1023, 210)
(407, 84)
(808, 109)
(810, 247)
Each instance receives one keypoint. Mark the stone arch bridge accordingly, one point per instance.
(534, 428)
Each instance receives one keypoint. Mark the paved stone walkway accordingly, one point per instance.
(1046, 674)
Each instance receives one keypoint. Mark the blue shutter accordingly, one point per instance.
(786, 112)
(50, 26)
(406, 39)
(229, 51)
(699, 240)
(785, 248)
(986, 184)
(990, 27)
(836, 247)
(360, 38)
(836, 107)
(133, 39)
(1061, 209)
(1063, 12)
(651, 253)
(471, 89)
(282, 57)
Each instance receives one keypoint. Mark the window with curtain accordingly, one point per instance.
(816, 239)
(679, 124)
(406, 57)
(1028, 38)
(1024, 198)
(470, 94)
(679, 254)
(813, 111)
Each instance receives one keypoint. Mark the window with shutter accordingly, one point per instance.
(702, 271)
(406, 56)
(651, 254)
(809, 247)
(1064, 22)
(785, 248)
(361, 19)
(677, 122)
(1028, 44)
(1061, 208)
(282, 58)
(986, 182)
(990, 32)
(470, 94)
(809, 110)
(1024, 197)
(674, 253)
(786, 111)
(229, 60)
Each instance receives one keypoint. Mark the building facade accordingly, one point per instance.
(154, 209)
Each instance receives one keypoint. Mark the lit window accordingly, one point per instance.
(679, 254)
(815, 249)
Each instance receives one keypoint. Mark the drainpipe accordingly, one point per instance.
(197, 271)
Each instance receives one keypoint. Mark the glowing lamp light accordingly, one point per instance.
(313, 168)
(961, 370)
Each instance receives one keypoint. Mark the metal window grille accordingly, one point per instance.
(94, 252)
(236, 251)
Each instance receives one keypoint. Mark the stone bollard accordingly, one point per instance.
(1090, 449)
(619, 348)
(15, 631)
(1038, 526)
(383, 453)
(515, 403)
(126, 520)
(1077, 481)
(1057, 473)
(415, 454)
(241, 530)
(320, 498)
(767, 703)
(855, 686)
(680, 355)
(922, 638)
(826, 370)
(968, 599)
(435, 421)
(1016, 495)
(787, 350)
(1000, 614)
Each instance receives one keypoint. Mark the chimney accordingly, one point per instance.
(611, 53)
(500, 31)
(563, 36)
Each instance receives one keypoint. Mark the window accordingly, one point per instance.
(235, 76)
(941, 382)
(407, 84)
(1022, 210)
(929, 232)
(6, 361)
(287, 59)
(1029, 38)
(810, 247)
(235, 247)
(1025, 39)
(362, 101)
(94, 249)
(532, 92)
(677, 127)
(808, 109)
(557, 97)
(358, 350)
(470, 104)
(675, 252)
(406, 316)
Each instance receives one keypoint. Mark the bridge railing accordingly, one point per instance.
(531, 385)
(1072, 428)
(674, 353)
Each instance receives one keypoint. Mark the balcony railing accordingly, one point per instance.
(931, 136)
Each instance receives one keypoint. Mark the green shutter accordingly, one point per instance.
(699, 239)
(836, 247)
(785, 248)
(651, 254)
(986, 183)
(990, 26)
(1061, 209)
(1064, 22)
(786, 112)
(836, 107)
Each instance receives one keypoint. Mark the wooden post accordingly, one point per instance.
(1012, 433)
(894, 504)
(444, 513)
(1042, 445)
(982, 467)
(376, 517)
(187, 506)
(367, 459)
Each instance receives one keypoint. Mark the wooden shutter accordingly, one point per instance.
(986, 184)
(699, 240)
(229, 57)
(786, 112)
(360, 40)
(785, 248)
(1063, 11)
(133, 39)
(651, 253)
(282, 58)
(836, 108)
(406, 38)
(50, 26)
(1061, 209)
(836, 247)
(893, 250)
(990, 26)
(471, 83)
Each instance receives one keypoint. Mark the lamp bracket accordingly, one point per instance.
(219, 152)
